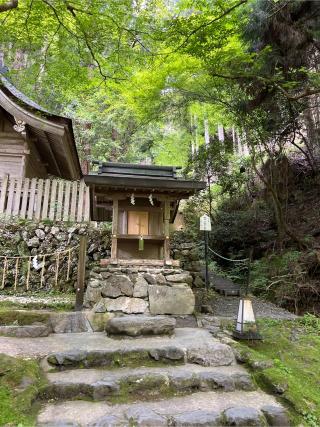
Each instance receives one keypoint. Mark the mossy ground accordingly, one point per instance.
(20, 381)
(23, 317)
(290, 350)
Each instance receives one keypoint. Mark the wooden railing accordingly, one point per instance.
(39, 199)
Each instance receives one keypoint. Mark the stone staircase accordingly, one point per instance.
(223, 285)
(185, 378)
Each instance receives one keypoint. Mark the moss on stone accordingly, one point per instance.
(148, 388)
(20, 381)
(38, 305)
(22, 317)
(287, 363)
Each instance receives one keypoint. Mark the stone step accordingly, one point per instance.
(253, 408)
(96, 350)
(126, 384)
(140, 325)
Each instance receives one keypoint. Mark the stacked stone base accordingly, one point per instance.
(140, 290)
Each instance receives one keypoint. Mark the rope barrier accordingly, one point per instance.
(41, 255)
(228, 259)
(33, 259)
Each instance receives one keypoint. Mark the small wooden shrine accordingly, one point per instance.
(142, 201)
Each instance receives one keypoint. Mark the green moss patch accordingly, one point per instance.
(38, 305)
(287, 363)
(20, 381)
(22, 317)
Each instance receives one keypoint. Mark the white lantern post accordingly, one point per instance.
(246, 326)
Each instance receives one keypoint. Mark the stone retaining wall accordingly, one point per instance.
(30, 238)
(188, 250)
(140, 290)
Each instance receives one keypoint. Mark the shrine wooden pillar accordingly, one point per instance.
(114, 239)
(166, 246)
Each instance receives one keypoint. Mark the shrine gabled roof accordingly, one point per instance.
(127, 176)
(52, 134)
(21, 96)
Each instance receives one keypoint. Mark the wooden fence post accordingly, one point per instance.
(81, 273)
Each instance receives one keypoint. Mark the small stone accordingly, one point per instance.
(70, 358)
(126, 305)
(54, 230)
(160, 279)
(150, 278)
(100, 307)
(276, 416)
(94, 283)
(117, 285)
(94, 274)
(103, 388)
(198, 418)
(140, 289)
(168, 271)
(141, 325)
(61, 237)
(184, 380)
(105, 274)
(261, 364)
(40, 234)
(168, 353)
(243, 416)
(98, 320)
(141, 416)
(91, 296)
(33, 243)
(184, 277)
(72, 230)
(243, 381)
(215, 381)
(215, 354)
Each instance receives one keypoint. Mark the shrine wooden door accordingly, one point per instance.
(138, 223)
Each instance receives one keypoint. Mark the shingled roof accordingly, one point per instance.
(52, 134)
(139, 176)
(19, 95)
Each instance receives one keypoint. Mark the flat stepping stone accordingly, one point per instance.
(134, 326)
(116, 358)
(183, 339)
(98, 384)
(244, 416)
(212, 353)
(198, 418)
(25, 331)
(238, 405)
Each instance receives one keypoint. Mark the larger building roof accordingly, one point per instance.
(52, 134)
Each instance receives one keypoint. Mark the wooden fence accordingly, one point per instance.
(53, 199)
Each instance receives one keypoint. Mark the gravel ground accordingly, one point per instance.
(228, 307)
(45, 301)
(222, 306)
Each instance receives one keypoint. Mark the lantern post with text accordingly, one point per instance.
(205, 226)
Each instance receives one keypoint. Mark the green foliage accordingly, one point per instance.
(277, 275)
(311, 323)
